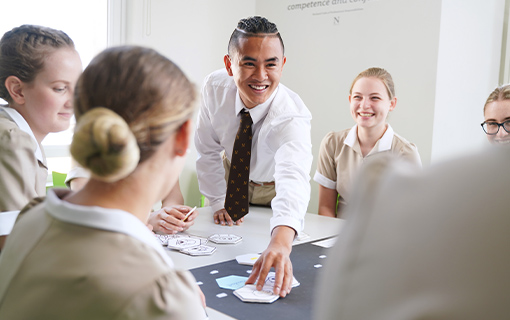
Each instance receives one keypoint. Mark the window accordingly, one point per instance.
(86, 23)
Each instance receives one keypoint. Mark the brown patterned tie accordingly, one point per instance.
(236, 200)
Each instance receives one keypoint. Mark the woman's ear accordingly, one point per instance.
(182, 138)
(393, 103)
(15, 88)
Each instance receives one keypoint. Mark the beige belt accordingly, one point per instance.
(261, 184)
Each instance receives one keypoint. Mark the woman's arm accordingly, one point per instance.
(327, 201)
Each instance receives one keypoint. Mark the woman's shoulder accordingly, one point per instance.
(173, 293)
(402, 143)
(406, 149)
(336, 136)
(12, 135)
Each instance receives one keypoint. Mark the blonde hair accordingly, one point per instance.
(128, 101)
(380, 74)
(500, 93)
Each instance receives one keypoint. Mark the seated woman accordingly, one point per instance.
(89, 254)
(497, 116)
(371, 98)
(39, 68)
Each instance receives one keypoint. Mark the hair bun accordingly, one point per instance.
(104, 144)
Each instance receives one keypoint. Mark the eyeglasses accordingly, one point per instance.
(492, 128)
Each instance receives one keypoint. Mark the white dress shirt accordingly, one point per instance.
(281, 146)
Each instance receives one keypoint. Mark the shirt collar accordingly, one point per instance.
(259, 111)
(105, 219)
(23, 125)
(383, 144)
(352, 136)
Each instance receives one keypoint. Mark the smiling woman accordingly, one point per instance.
(39, 68)
(371, 98)
(70, 16)
(497, 116)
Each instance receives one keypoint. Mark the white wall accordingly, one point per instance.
(194, 34)
(467, 71)
(443, 55)
(328, 46)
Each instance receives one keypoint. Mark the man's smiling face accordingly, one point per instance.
(257, 67)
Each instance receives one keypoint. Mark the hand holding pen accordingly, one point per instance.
(173, 219)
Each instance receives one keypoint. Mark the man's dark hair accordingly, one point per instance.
(253, 27)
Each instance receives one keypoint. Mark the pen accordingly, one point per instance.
(189, 213)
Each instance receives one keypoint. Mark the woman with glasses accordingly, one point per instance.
(497, 116)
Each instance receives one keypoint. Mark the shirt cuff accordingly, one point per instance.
(323, 181)
(218, 205)
(297, 224)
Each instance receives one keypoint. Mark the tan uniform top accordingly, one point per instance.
(64, 261)
(23, 170)
(340, 157)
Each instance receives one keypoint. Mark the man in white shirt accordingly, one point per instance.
(281, 145)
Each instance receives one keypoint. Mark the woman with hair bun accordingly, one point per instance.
(371, 98)
(89, 254)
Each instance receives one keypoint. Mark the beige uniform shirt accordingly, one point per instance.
(23, 170)
(340, 157)
(64, 261)
(432, 245)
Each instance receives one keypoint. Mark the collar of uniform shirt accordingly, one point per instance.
(258, 112)
(23, 125)
(384, 144)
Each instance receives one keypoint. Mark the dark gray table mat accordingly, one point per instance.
(297, 305)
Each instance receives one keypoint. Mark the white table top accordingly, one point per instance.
(256, 236)
(255, 232)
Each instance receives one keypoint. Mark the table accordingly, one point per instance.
(256, 236)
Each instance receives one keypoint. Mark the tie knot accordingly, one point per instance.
(245, 117)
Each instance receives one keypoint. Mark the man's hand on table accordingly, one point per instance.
(222, 217)
(276, 255)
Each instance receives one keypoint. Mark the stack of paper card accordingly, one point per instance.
(195, 246)
(224, 238)
(249, 292)
(201, 250)
(271, 278)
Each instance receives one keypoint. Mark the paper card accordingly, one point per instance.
(164, 238)
(327, 243)
(270, 279)
(302, 237)
(249, 293)
(202, 250)
(183, 243)
(231, 282)
(247, 259)
(224, 238)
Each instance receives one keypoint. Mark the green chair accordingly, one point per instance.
(58, 179)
